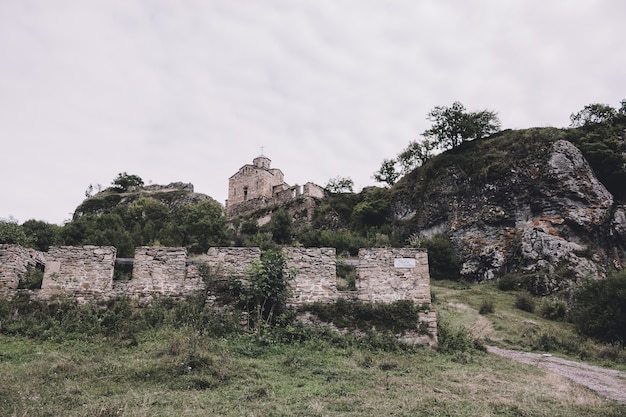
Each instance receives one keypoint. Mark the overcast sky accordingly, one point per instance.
(191, 90)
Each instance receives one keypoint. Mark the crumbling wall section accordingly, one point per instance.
(161, 271)
(85, 272)
(15, 262)
(315, 274)
(391, 274)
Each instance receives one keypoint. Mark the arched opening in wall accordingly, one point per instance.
(33, 277)
(346, 274)
(245, 193)
(123, 269)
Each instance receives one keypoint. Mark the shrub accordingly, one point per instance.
(486, 307)
(456, 340)
(441, 258)
(510, 282)
(554, 310)
(599, 308)
(525, 302)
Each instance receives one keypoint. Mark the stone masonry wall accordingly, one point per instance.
(14, 263)
(161, 271)
(223, 262)
(388, 275)
(86, 273)
(315, 274)
(79, 270)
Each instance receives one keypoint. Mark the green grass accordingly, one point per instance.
(168, 360)
(180, 372)
(511, 327)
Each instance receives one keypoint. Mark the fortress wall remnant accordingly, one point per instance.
(391, 274)
(231, 261)
(161, 270)
(15, 261)
(86, 273)
(79, 269)
(315, 274)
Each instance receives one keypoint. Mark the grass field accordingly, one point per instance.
(177, 368)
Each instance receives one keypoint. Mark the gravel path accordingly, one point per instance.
(607, 382)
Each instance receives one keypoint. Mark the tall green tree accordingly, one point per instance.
(454, 125)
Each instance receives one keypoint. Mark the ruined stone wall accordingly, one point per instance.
(79, 270)
(86, 273)
(161, 271)
(231, 261)
(14, 264)
(315, 274)
(388, 275)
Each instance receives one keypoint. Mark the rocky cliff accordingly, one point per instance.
(520, 201)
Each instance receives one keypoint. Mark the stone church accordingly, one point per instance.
(258, 186)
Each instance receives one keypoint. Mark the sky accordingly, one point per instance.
(192, 90)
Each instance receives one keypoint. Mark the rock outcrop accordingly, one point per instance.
(533, 207)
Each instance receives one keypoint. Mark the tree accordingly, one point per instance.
(593, 113)
(201, 225)
(281, 227)
(123, 182)
(453, 125)
(340, 185)
(387, 172)
(42, 234)
(11, 232)
(415, 155)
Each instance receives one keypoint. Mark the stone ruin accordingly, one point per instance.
(94, 273)
(257, 186)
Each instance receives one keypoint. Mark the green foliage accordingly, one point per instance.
(346, 274)
(387, 172)
(486, 307)
(442, 260)
(373, 210)
(453, 125)
(124, 182)
(281, 227)
(599, 308)
(397, 317)
(11, 232)
(456, 340)
(199, 226)
(511, 282)
(525, 302)
(593, 113)
(263, 292)
(119, 320)
(340, 185)
(599, 136)
(42, 235)
(32, 279)
(554, 310)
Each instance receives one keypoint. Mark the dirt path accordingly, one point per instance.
(607, 382)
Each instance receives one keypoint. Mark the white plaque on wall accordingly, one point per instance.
(404, 262)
